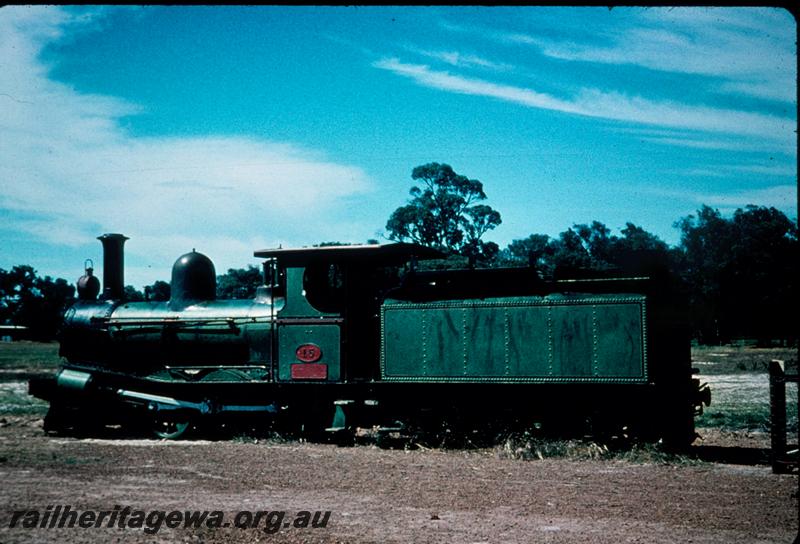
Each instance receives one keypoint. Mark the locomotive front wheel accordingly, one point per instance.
(169, 429)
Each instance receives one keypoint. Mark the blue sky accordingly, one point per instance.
(235, 129)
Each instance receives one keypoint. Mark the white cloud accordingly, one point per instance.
(606, 105)
(782, 197)
(737, 170)
(767, 169)
(752, 50)
(463, 60)
(66, 161)
(423, 75)
(686, 138)
(781, 88)
(788, 146)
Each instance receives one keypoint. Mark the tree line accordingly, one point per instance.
(738, 272)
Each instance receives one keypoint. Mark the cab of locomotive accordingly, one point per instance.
(328, 328)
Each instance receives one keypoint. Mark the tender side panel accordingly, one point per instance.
(620, 339)
(573, 338)
(533, 339)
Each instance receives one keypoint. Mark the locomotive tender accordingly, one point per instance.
(342, 337)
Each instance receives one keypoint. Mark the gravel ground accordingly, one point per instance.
(377, 495)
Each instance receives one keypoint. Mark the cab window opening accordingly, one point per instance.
(324, 287)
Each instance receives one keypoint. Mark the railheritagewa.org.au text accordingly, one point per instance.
(152, 521)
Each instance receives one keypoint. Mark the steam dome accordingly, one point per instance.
(193, 279)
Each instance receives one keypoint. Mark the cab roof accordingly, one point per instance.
(385, 254)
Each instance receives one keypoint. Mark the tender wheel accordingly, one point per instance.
(169, 429)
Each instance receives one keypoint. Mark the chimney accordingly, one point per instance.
(113, 265)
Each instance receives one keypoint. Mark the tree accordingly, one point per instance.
(239, 283)
(158, 292)
(637, 239)
(636, 252)
(570, 258)
(55, 296)
(33, 302)
(589, 250)
(535, 252)
(132, 294)
(15, 287)
(741, 272)
(529, 251)
(598, 243)
(443, 214)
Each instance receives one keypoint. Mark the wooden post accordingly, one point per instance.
(777, 408)
(783, 461)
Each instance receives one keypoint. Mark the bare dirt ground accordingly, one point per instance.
(723, 491)
(378, 495)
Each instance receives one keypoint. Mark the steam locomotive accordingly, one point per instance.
(364, 336)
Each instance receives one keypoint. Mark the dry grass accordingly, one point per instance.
(710, 360)
(15, 400)
(739, 381)
(528, 447)
(29, 356)
(18, 362)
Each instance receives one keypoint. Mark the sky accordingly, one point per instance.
(233, 129)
